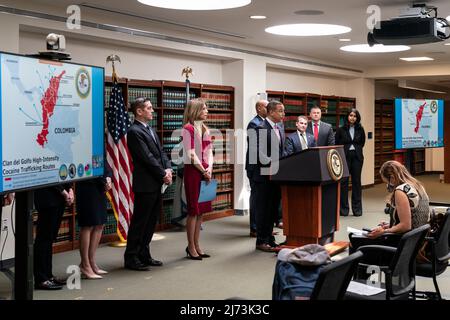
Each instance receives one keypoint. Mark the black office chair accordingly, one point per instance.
(440, 254)
(334, 278)
(400, 272)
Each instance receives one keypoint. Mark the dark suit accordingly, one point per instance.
(268, 194)
(251, 132)
(355, 159)
(326, 134)
(50, 204)
(149, 164)
(293, 144)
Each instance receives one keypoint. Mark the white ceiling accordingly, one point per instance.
(351, 13)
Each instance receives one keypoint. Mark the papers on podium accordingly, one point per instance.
(207, 191)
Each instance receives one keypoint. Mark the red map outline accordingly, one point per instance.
(48, 103)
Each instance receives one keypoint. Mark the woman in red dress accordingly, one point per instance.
(198, 163)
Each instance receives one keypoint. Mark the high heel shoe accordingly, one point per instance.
(84, 275)
(190, 256)
(100, 272)
(203, 255)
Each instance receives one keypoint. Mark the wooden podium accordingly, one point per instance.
(310, 190)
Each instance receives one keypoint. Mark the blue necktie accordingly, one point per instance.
(151, 132)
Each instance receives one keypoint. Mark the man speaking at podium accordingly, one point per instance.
(270, 145)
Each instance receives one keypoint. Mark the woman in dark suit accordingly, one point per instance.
(92, 214)
(353, 137)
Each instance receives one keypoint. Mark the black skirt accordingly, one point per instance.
(91, 202)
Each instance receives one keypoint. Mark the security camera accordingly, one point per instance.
(56, 42)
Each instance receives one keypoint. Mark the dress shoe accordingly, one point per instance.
(266, 247)
(135, 265)
(190, 256)
(58, 281)
(151, 262)
(47, 285)
(357, 214)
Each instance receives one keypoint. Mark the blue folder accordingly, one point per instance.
(207, 191)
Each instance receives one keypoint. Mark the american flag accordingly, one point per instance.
(119, 159)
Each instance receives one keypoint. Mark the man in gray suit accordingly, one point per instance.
(299, 140)
(322, 131)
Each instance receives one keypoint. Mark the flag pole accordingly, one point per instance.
(115, 79)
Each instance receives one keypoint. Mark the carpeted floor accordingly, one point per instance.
(235, 268)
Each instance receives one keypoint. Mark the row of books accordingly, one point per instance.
(176, 99)
(167, 213)
(217, 100)
(170, 191)
(222, 202)
(172, 121)
(152, 123)
(111, 224)
(222, 167)
(293, 102)
(152, 94)
(289, 122)
(219, 121)
(224, 180)
(294, 109)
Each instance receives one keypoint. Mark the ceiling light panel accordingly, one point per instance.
(197, 4)
(308, 29)
(412, 59)
(378, 48)
(258, 17)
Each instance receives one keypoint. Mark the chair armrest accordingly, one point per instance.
(372, 248)
(371, 251)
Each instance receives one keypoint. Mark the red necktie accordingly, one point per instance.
(316, 132)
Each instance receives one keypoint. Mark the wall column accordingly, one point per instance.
(364, 91)
(248, 76)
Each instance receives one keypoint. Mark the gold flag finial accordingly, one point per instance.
(187, 71)
(113, 58)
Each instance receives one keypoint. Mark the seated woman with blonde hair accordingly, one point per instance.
(408, 205)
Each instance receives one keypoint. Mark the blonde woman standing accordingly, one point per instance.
(198, 165)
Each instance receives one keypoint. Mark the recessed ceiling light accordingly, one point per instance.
(447, 44)
(197, 4)
(378, 48)
(448, 18)
(345, 40)
(258, 17)
(411, 59)
(307, 29)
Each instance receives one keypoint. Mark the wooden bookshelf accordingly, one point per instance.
(334, 108)
(168, 99)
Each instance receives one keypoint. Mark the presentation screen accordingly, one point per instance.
(419, 123)
(52, 122)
